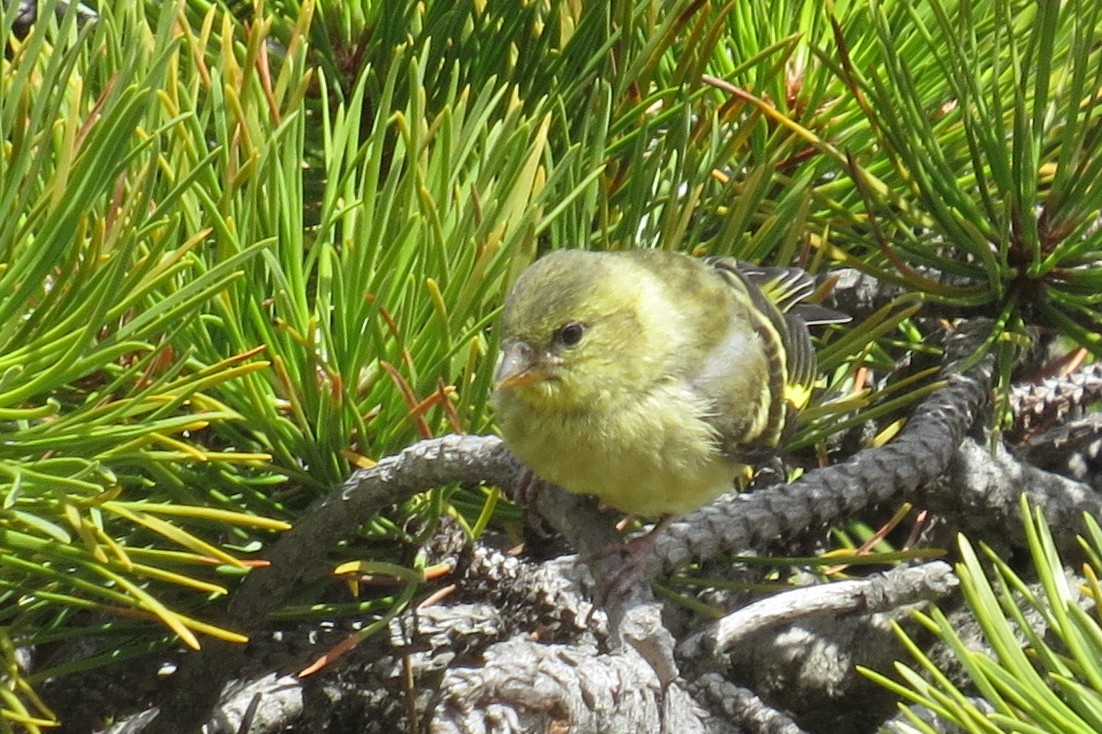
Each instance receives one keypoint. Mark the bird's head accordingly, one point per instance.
(576, 331)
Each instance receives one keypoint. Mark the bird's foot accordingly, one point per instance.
(624, 566)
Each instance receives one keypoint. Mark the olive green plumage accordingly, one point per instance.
(650, 378)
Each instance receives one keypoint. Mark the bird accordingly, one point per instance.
(649, 378)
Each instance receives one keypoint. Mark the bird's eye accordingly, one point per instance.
(569, 334)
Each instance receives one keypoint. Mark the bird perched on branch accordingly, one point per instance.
(649, 378)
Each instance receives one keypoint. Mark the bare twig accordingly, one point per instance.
(892, 589)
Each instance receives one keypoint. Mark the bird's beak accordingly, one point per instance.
(520, 366)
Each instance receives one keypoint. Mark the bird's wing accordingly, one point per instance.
(779, 293)
(777, 314)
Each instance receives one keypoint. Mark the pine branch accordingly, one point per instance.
(825, 497)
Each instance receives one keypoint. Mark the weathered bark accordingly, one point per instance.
(521, 647)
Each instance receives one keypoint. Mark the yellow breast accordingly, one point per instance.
(652, 455)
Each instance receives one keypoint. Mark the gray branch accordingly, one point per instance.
(523, 649)
(890, 590)
(982, 486)
(742, 707)
(423, 466)
(822, 498)
(526, 687)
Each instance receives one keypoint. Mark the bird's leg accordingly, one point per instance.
(528, 488)
(527, 495)
(635, 554)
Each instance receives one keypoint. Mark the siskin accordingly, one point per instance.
(649, 378)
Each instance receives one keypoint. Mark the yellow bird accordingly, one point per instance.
(649, 378)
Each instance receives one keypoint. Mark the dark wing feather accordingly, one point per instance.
(781, 319)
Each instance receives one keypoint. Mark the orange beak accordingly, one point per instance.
(520, 366)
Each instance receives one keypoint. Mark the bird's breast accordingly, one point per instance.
(650, 454)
